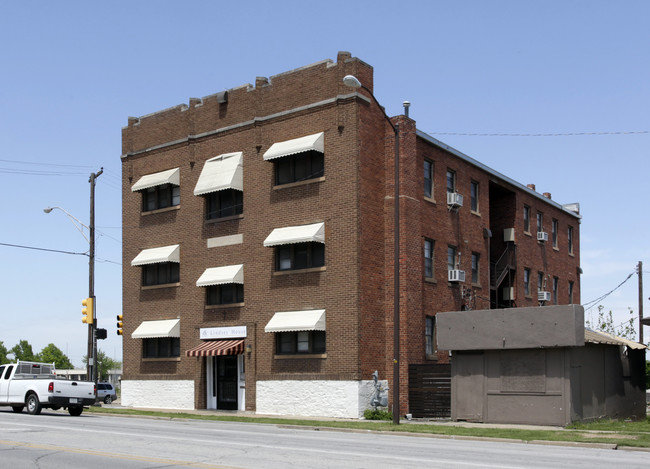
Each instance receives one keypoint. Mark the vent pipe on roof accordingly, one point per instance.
(407, 105)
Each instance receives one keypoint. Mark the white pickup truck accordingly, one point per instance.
(35, 386)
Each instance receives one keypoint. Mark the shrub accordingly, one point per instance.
(375, 414)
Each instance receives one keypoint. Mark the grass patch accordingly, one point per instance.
(613, 432)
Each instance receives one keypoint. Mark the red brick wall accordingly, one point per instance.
(355, 201)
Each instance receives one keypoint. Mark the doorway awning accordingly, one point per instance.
(213, 348)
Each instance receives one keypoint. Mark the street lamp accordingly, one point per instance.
(91, 363)
(78, 224)
(353, 82)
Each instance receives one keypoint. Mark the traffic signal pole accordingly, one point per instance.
(92, 326)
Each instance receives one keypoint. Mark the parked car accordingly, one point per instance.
(106, 393)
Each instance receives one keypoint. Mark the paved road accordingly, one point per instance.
(56, 440)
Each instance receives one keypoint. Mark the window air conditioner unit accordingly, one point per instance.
(543, 296)
(542, 236)
(456, 275)
(509, 235)
(509, 293)
(454, 199)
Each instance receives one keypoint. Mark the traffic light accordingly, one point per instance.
(119, 324)
(87, 311)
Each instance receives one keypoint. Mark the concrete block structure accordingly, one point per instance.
(258, 246)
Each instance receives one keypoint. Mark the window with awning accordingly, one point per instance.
(298, 332)
(221, 172)
(159, 190)
(224, 285)
(160, 265)
(221, 184)
(299, 159)
(298, 247)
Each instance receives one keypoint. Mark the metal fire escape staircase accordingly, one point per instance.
(505, 265)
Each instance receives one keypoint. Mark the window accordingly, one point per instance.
(307, 342)
(428, 178)
(570, 292)
(225, 203)
(163, 347)
(428, 258)
(225, 294)
(451, 258)
(556, 282)
(527, 282)
(163, 196)
(540, 222)
(451, 181)
(300, 256)
(430, 336)
(473, 191)
(570, 236)
(299, 167)
(475, 268)
(554, 232)
(160, 274)
(526, 218)
(540, 281)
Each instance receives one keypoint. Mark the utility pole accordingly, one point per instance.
(92, 327)
(640, 274)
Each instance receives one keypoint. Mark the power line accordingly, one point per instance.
(599, 299)
(569, 134)
(44, 249)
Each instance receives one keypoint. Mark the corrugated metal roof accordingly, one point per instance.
(598, 337)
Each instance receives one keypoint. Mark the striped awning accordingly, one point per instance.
(213, 348)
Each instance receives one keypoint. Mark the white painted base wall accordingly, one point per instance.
(342, 399)
(155, 394)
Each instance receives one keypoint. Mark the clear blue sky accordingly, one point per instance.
(72, 72)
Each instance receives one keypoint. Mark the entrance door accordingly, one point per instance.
(226, 384)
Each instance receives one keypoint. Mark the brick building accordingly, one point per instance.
(258, 246)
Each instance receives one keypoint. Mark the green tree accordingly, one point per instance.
(23, 351)
(104, 365)
(605, 323)
(3, 354)
(52, 354)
